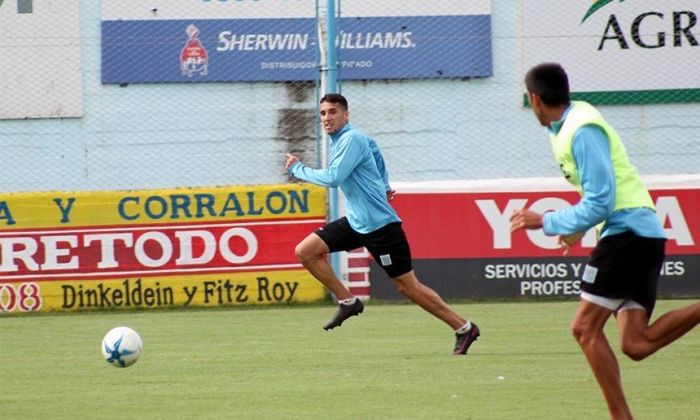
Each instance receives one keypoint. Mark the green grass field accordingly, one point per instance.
(392, 362)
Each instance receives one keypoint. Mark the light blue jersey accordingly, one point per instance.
(591, 151)
(357, 167)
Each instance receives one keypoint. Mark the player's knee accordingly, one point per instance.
(581, 332)
(400, 287)
(302, 253)
(634, 350)
(577, 333)
(405, 288)
(634, 353)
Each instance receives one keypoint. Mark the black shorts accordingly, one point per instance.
(388, 244)
(625, 266)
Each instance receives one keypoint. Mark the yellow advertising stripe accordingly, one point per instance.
(147, 207)
(229, 289)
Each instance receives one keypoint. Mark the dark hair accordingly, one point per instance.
(550, 82)
(335, 98)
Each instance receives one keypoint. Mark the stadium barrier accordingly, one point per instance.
(219, 246)
(117, 96)
(463, 248)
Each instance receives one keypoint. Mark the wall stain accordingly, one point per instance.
(296, 123)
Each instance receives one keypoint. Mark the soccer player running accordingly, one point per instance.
(622, 272)
(356, 165)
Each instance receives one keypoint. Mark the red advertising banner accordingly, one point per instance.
(148, 251)
(476, 225)
(462, 245)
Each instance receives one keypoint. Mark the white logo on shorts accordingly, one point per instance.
(385, 259)
(589, 274)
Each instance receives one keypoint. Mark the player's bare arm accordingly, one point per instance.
(291, 159)
(528, 219)
(525, 219)
(568, 241)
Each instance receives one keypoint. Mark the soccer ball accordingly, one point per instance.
(122, 347)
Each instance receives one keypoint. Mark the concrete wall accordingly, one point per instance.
(152, 136)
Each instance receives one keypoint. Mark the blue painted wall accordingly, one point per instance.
(172, 135)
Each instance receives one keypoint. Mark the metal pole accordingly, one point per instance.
(331, 49)
(332, 87)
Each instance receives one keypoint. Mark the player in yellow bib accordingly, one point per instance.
(623, 270)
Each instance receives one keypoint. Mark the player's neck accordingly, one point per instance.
(555, 114)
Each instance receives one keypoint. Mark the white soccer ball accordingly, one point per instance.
(122, 347)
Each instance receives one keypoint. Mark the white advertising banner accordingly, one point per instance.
(40, 49)
(264, 9)
(628, 49)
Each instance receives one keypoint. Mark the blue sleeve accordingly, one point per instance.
(346, 157)
(591, 151)
(381, 167)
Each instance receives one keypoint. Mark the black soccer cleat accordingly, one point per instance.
(465, 340)
(344, 312)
